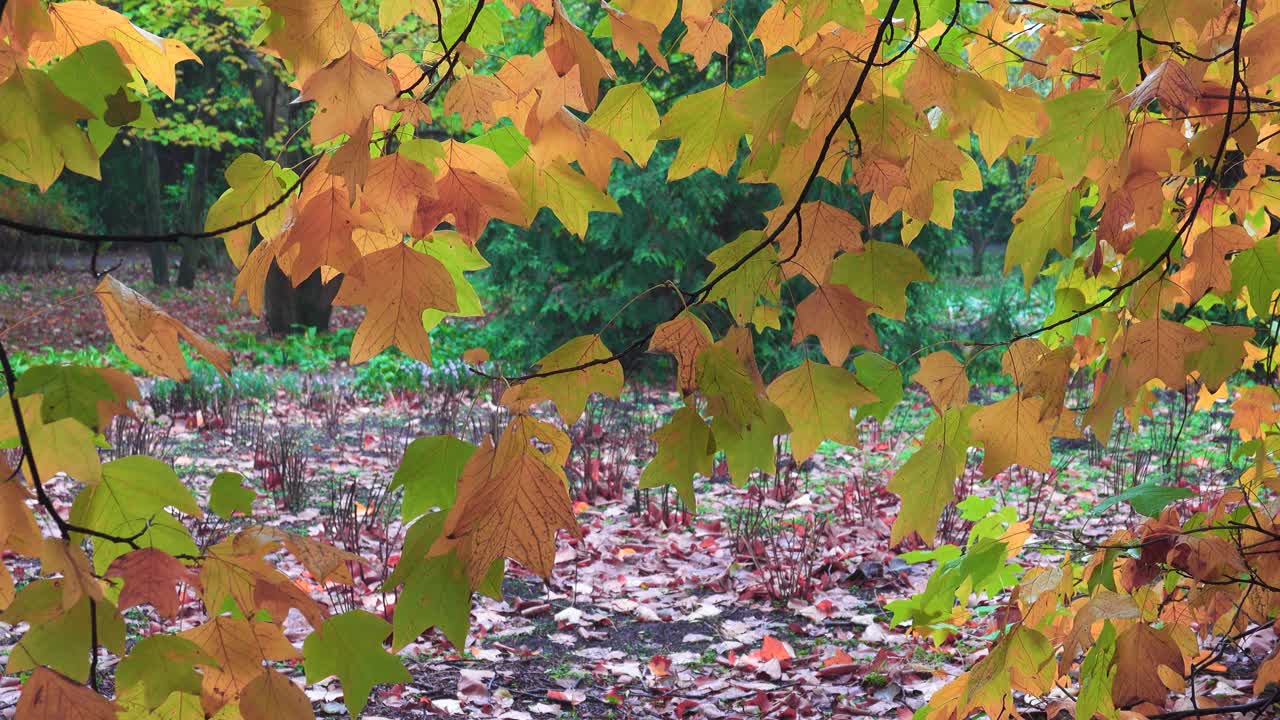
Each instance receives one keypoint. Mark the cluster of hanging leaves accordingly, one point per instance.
(1150, 206)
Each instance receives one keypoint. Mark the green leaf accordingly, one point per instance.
(1084, 125)
(1258, 269)
(60, 639)
(228, 495)
(1046, 222)
(750, 447)
(1148, 499)
(881, 376)
(161, 665)
(685, 448)
(744, 286)
(880, 275)
(628, 115)
(67, 391)
(350, 646)
(133, 495)
(926, 481)
(429, 473)
(709, 129)
(1097, 675)
(818, 401)
(728, 385)
(458, 257)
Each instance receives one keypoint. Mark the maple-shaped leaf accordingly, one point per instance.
(429, 473)
(396, 185)
(1206, 268)
(253, 184)
(770, 101)
(48, 695)
(705, 35)
(65, 446)
(1169, 83)
(323, 561)
(149, 335)
(880, 275)
(944, 379)
(1257, 406)
(818, 401)
(1045, 222)
(729, 383)
(475, 97)
(511, 500)
(322, 236)
(684, 337)
(628, 115)
(18, 529)
(810, 242)
(273, 696)
(133, 497)
(78, 24)
(631, 31)
(563, 190)
(345, 91)
(750, 446)
(473, 186)
(685, 448)
(309, 33)
(150, 577)
(838, 318)
(747, 281)
(1040, 372)
(436, 590)
(1086, 133)
(60, 639)
(239, 648)
(1156, 349)
(568, 47)
(350, 646)
(1014, 431)
(160, 665)
(397, 285)
(229, 495)
(41, 132)
(67, 391)
(926, 482)
(709, 128)
(1224, 353)
(1257, 270)
(570, 390)
(1141, 650)
(1097, 674)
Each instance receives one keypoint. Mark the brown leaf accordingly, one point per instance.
(839, 319)
(944, 378)
(272, 696)
(149, 335)
(48, 695)
(685, 337)
(1169, 83)
(150, 577)
(240, 647)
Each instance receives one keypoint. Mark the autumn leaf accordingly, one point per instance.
(48, 695)
(273, 696)
(818, 401)
(149, 335)
(709, 128)
(944, 379)
(569, 390)
(568, 48)
(1045, 222)
(309, 33)
(880, 275)
(628, 115)
(810, 242)
(253, 185)
(1013, 431)
(160, 665)
(429, 473)
(396, 285)
(1156, 349)
(839, 319)
(150, 577)
(511, 500)
(395, 188)
(748, 275)
(684, 337)
(473, 186)
(239, 648)
(926, 481)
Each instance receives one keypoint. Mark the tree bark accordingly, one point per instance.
(194, 207)
(152, 212)
(292, 310)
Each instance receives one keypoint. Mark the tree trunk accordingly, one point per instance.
(194, 206)
(292, 310)
(979, 255)
(152, 213)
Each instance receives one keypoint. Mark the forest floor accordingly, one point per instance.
(768, 602)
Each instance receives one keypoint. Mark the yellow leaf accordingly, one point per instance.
(817, 401)
(944, 378)
(345, 91)
(48, 695)
(149, 335)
